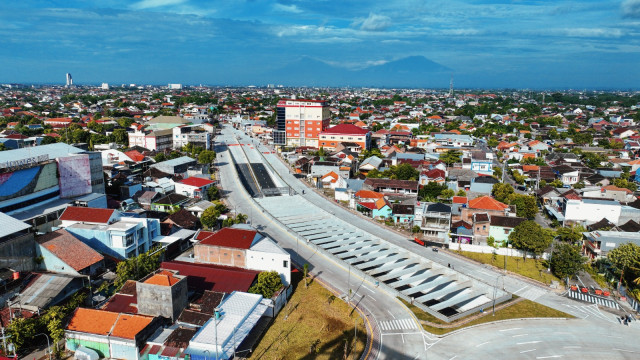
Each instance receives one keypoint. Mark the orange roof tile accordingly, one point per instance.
(368, 194)
(486, 203)
(128, 326)
(92, 321)
(530, 167)
(163, 278)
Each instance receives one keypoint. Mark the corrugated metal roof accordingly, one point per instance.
(10, 225)
(53, 150)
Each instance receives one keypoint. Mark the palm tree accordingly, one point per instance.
(241, 218)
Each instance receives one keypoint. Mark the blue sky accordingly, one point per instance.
(536, 44)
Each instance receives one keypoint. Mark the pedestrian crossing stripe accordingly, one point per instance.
(398, 324)
(593, 299)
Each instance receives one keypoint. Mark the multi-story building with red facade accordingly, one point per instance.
(299, 122)
(345, 134)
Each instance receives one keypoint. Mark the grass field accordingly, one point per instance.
(313, 316)
(521, 309)
(533, 269)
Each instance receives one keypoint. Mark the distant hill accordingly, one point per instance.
(413, 71)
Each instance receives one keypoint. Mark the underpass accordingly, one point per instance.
(438, 290)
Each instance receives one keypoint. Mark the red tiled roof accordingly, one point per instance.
(89, 215)
(70, 250)
(196, 181)
(459, 200)
(135, 155)
(213, 277)
(486, 203)
(230, 238)
(128, 326)
(368, 205)
(163, 278)
(368, 194)
(345, 129)
(92, 321)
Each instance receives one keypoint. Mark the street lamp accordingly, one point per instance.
(495, 290)
(48, 344)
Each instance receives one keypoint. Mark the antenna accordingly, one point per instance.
(451, 86)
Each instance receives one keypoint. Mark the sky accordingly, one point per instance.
(515, 44)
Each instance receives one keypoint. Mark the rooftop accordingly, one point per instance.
(486, 203)
(196, 181)
(88, 215)
(70, 250)
(163, 278)
(98, 322)
(10, 225)
(54, 151)
(345, 129)
(228, 237)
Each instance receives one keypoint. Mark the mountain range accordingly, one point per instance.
(412, 71)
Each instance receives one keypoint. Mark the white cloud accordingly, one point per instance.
(150, 4)
(593, 32)
(631, 8)
(373, 23)
(287, 8)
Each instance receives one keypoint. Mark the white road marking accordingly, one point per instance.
(549, 357)
(572, 347)
(454, 357)
(520, 335)
(393, 316)
(526, 286)
(368, 289)
(483, 343)
(526, 351)
(612, 336)
(529, 342)
(510, 329)
(631, 351)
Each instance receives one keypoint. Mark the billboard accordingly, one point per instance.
(27, 181)
(75, 175)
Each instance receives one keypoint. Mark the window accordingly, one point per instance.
(506, 231)
(484, 227)
(128, 240)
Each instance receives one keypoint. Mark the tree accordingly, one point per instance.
(138, 267)
(267, 284)
(47, 140)
(431, 191)
(415, 229)
(210, 217)
(502, 191)
(241, 218)
(214, 193)
(405, 172)
(566, 260)
(451, 157)
(447, 194)
(160, 157)
(531, 237)
(571, 234)
(525, 205)
(206, 157)
(121, 137)
(624, 256)
(461, 193)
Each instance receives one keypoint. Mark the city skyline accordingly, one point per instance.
(519, 44)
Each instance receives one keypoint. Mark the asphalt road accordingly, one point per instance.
(403, 337)
(383, 307)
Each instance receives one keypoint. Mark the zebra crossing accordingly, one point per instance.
(530, 292)
(593, 299)
(398, 324)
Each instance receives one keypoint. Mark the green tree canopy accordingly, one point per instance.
(138, 267)
(525, 205)
(566, 260)
(451, 157)
(121, 137)
(529, 236)
(267, 284)
(624, 256)
(210, 217)
(571, 234)
(206, 157)
(431, 191)
(502, 191)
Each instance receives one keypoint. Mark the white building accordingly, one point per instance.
(175, 86)
(104, 86)
(191, 134)
(158, 140)
(219, 337)
(301, 121)
(589, 211)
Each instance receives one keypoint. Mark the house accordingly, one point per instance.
(123, 239)
(502, 226)
(156, 140)
(332, 180)
(210, 277)
(461, 232)
(370, 163)
(481, 225)
(434, 220)
(402, 214)
(597, 244)
(178, 166)
(389, 186)
(344, 133)
(483, 204)
(482, 162)
(567, 174)
(368, 196)
(241, 246)
(433, 175)
(195, 135)
(483, 184)
(62, 253)
(110, 334)
(171, 202)
(194, 187)
(162, 293)
(379, 209)
(588, 211)
(86, 215)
